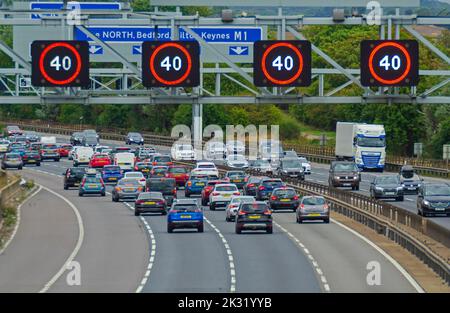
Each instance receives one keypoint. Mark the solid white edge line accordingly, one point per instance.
(77, 246)
(19, 207)
(408, 277)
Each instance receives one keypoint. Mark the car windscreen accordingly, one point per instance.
(236, 174)
(236, 157)
(90, 139)
(161, 185)
(272, 183)
(12, 156)
(151, 195)
(303, 160)
(437, 190)
(341, 167)
(408, 174)
(92, 180)
(77, 170)
(225, 188)
(313, 201)
(285, 193)
(177, 170)
(371, 142)
(185, 207)
(261, 163)
(253, 207)
(387, 180)
(292, 164)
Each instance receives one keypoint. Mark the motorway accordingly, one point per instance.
(119, 252)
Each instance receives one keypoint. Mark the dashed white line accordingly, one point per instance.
(314, 263)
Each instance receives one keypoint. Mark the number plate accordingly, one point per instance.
(346, 185)
(237, 180)
(200, 184)
(254, 217)
(285, 200)
(185, 216)
(390, 193)
(92, 186)
(314, 214)
(113, 178)
(150, 202)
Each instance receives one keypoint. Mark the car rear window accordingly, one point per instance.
(77, 170)
(288, 193)
(236, 174)
(161, 185)
(206, 166)
(129, 182)
(184, 207)
(272, 183)
(226, 188)
(134, 175)
(150, 195)
(111, 169)
(49, 146)
(313, 201)
(254, 207)
(162, 159)
(177, 170)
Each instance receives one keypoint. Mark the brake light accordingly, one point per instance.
(175, 191)
(83, 182)
(103, 183)
(242, 213)
(140, 189)
(189, 183)
(261, 188)
(302, 206)
(267, 212)
(237, 193)
(251, 185)
(215, 193)
(295, 197)
(154, 163)
(325, 206)
(136, 168)
(139, 201)
(246, 179)
(273, 198)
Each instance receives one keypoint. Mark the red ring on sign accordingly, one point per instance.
(266, 73)
(390, 81)
(44, 72)
(185, 52)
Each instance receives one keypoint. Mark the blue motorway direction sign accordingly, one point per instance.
(94, 49)
(238, 50)
(71, 5)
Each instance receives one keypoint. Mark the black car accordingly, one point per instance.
(344, 174)
(150, 202)
(167, 186)
(254, 216)
(291, 168)
(284, 198)
(252, 185)
(409, 179)
(239, 178)
(73, 176)
(76, 139)
(143, 167)
(385, 187)
(89, 140)
(31, 157)
(433, 199)
(134, 138)
(266, 186)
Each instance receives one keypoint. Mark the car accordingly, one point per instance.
(143, 167)
(239, 178)
(121, 149)
(235, 147)
(167, 186)
(409, 179)
(92, 184)
(433, 199)
(271, 150)
(89, 140)
(236, 161)
(266, 186)
(306, 165)
(290, 168)
(134, 138)
(262, 166)
(111, 173)
(101, 149)
(144, 153)
(252, 185)
(12, 160)
(150, 202)
(385, 187)
(125, 160)
(32, 136)
(91, 132)
(221, 195)
(205, 168)
(64, 150)
(178, 172)
(344, 174)
(17, 147)
(82, 156)
(31, 157)
(215, 150)
(49, 151)
(160, 159)
(290, 154)
(253, 216)
(35, 146)
(233, 206)
(284, 198)
(99, 160)
(76, 138)
(195, 184)
(4, 145)
(158, 171)
(12, 130)
(206, 191)
(22, 139)
(313, 208)
(126, 189)
(73, 176)
(136, 175)
(185, 213)
(183, 152)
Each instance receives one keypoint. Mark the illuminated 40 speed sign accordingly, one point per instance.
(60, 63)
(282, 63)
(170, 64)
(389, 63)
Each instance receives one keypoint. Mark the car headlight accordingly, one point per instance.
(379, 188)
(336, 177)
(426, 202)
(399, 188)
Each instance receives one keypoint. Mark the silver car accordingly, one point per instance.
(127, 188)
(313, 208)
(233, 206)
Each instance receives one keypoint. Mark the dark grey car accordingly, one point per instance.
(386, 187)
(134, 138)
(291, 168)
(433, 199)
(344, 174)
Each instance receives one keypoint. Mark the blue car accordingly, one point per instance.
(111, 173)
(92, 184)
(195, 185)
(185, 213)
(266, 187)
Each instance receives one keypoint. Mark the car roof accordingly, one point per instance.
(225, 185)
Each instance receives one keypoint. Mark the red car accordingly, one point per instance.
(99, 160)
(209, 188)
(64, 150)
(179, 173)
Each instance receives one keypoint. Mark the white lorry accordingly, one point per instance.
(363, 143)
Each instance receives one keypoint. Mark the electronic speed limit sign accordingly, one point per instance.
(170, 64)
(60, 64)
(389, 63)
(282, 63)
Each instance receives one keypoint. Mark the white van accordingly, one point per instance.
(125, 160)
(48, 139)
(82, 156)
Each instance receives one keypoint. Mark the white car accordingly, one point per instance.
(206, 168)
(235, 147)
(215, 150)
(233, 206)
(221, 195)
(4, 145)
(100, 149)
(136, 175)
(183, 152)
(236, 161)
(262, 166)
(72, 152)
(306, 165)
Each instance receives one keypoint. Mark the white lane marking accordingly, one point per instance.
(151, 259)
(77, 246)
(408, 277)
(229, 253)
(19, 207)
(322, 277)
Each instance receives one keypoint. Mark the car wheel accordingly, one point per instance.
(327, 220)
(238, 230)
(103, 194)
(187, 195)
(269, 230)
(136, 213)
(80, 194)
(169, 228)
(299, 220)
(114, 199)
(20, 167)
(400, 198)
(212, 207)
(66, 187)
(75, 164)
(164, 212)
(38, 164)
(227, 219)
(204, 203)
(200, 228)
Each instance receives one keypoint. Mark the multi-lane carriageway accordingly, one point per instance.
(118, 252)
